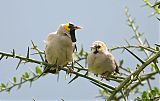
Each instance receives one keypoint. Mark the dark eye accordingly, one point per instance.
(98, 46)
(70, 25)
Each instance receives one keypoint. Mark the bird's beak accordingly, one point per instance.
(77, 27)
(92, 47)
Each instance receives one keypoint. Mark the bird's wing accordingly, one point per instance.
(117, 67)
(112, 59)
(49, 37)
(45, 57)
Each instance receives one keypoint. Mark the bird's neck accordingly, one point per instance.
(95, 52)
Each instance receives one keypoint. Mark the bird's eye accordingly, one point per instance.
(98, 46)
(70, 25)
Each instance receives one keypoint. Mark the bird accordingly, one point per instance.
(60, 45)
(100, 60)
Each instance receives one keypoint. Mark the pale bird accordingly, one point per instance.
(100, 60)
(60, 45)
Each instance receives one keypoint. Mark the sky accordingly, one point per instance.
(24, 20)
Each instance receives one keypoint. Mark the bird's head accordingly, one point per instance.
(69, 29)
(98, 46)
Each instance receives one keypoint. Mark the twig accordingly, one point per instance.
(50, 65)
(135, 73)
(39, 52)
(20, 83)
(131, 46)
(137, 36)
(142, 78)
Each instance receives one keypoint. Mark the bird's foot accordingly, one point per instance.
(70, 70)
(54, 70)
(103, 77)
(106, 76)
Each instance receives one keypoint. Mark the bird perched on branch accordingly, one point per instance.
(60, 45)
(100, 60)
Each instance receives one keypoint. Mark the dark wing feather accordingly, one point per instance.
(46, 70)
(45, 57)
(75, 48)
(117, 67)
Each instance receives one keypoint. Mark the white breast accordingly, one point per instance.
(59, 49)
(100, 63)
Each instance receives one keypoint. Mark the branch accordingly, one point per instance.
(135, 73)
(50, 65)
(132, 46)
(20, 83)
(154, 6)
(142, 78)
(138, 38)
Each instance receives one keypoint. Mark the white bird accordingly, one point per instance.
(60, 45)
(100, 60)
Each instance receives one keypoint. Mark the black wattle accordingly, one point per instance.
(73, 36)
(95, 52)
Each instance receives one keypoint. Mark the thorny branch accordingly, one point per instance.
(124, 81)
(101, 84)
(137, 36)
(50, 65)
(134, 74)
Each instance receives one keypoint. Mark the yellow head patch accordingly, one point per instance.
(66, 26)
(101, 45)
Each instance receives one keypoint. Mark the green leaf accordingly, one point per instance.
(157, 9)
(121, 62)
(144, 95)
(156, 89)
(25, 75)
(81, 52)
(153, 92)
(3, 85)
(145, 0)
(14, 79)
(38, 70)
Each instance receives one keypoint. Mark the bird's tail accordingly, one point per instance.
(47, 70)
